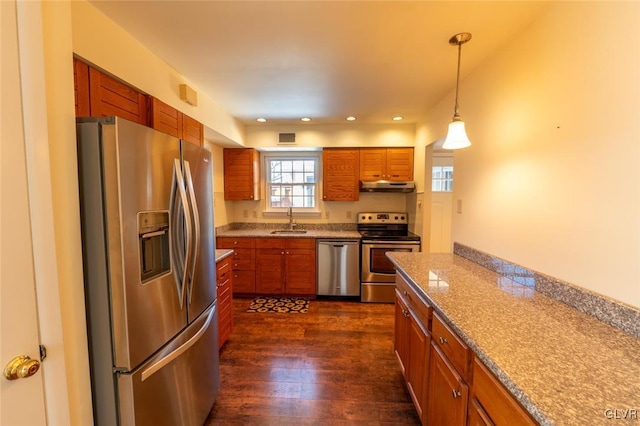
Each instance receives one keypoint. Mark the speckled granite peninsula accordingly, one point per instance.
(564, 366)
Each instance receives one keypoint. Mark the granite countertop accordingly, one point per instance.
(311, 233)
(223, 253)
(564, 366)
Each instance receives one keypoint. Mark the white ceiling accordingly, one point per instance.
(283, 60)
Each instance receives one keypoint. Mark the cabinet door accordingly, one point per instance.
(300, 272)
(111, 97)
(448, 394)
(81, 88)
(192, 130)
(340, 174)
(418, 377)
(477, 416)
(373, 164)
(495, 401)
(270, 271)
(241, 174)
(399, 164)
(165, 118)
(401, 338)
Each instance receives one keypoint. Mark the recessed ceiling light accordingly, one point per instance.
(397, 118)
(261, 120)
(305, 119)
(351, 118)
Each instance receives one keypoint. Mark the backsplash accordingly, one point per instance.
(278, 225)
(607, 310)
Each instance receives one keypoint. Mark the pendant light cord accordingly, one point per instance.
(455, 109)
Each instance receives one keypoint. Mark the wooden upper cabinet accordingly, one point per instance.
(399, 164)
(241, 174)
(81, 88)
(340, 174)
(169, 120)
(373, 164)
(165, 118)
(109, 96)
(192, 130)
(395, 164)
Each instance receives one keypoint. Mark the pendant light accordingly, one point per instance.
(457, 136)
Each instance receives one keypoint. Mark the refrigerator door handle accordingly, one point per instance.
(180, 245)
(157, 366)
(196, 225)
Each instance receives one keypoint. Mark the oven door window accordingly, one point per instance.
(379, 263)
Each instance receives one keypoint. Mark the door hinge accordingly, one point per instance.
(43, 352)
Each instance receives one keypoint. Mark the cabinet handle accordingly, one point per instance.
(405, 292)
(456, 394)
(443, 340)
(405, 313)
(281, 252)
(235, 242)
(287, 252)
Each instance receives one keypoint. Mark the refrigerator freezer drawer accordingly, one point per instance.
(179, 385)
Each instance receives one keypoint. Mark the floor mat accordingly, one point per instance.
(293, 305)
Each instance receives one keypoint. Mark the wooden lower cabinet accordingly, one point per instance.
(449, 385)
(243, 263)
(491, 403)
(411, 345)
(477, 416)
(286, 266)
(224, 287)
(448, 393)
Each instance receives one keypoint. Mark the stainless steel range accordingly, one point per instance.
(381, 233)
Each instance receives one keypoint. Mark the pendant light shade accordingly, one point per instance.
(457, 135)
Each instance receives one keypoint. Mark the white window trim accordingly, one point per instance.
(282, 211)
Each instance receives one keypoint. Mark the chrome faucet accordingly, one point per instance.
(292, 224)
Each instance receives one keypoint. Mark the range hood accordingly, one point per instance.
(387, 186)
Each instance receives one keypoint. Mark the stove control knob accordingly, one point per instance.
(363, 217)
(396, 218)
(402, 217)
(369, 217)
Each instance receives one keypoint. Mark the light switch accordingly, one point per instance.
(459, 208)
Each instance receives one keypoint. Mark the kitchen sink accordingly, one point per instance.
(286, 231)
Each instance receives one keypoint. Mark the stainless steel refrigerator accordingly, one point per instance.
(148, 258)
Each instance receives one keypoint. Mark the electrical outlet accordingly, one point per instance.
(327, 214)
(245, 213)
(348, 214)
(254, 214)
(459, 208)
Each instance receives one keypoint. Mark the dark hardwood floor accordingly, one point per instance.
(331, 366)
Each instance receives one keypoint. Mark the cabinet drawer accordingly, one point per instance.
(301, 243)
(231, 242)
(223, 268)
(456, 351)
(271, 243)
(420, 308)
(495, 400)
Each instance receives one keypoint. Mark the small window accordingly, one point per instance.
(442, 179)
(292, 181)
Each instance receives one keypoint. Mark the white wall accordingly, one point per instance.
(325, 135)
(552, 180)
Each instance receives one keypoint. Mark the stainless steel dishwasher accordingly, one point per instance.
(338, 267)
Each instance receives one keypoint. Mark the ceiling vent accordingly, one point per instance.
(287, 138)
